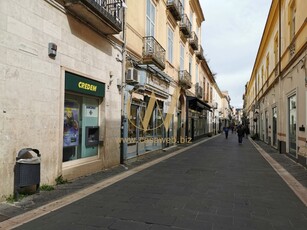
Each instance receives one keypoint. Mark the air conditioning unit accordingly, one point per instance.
(132, 75)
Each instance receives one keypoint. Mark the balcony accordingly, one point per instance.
(153, 52)
(198, 91)
(184, 79)
(193, 41)
(185, 26)
(103, 15)
(175, 8)
(200, 53)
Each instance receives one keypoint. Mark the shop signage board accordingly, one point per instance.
(79, 84)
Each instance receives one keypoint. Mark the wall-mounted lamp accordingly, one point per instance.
(302, 128)
(111, 79)
(118, 84)
(52, 50)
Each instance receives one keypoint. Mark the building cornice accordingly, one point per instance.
(195, 5)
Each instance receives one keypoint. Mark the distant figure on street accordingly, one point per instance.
(240, 132)
(226, 132)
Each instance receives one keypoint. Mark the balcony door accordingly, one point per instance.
(150, 18)
(181, 57)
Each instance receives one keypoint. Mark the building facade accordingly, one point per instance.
(275, 97)
(59, 68)
(225, 110)
(163, 101)
(91, 84)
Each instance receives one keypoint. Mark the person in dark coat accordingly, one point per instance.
(240, 132)
(226, 129)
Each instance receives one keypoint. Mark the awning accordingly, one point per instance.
(155, 70)
(158, 92)
(197, 104)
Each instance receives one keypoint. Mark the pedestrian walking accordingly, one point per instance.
(240, 132)
(226, 131)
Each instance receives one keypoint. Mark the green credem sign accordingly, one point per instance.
(77, 83)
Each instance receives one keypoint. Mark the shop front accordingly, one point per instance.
(144, 133)
(146, 103)
(197, 118)
(81, 131)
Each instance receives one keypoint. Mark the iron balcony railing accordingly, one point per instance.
(185, 26)
(153, 52)
(184, 79)
(194, 41)
(175, 7)
(104, 15)
(200, 53)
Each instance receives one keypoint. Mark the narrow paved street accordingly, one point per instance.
(218, 184)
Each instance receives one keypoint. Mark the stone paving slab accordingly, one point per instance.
(216, 185)
(298, 171)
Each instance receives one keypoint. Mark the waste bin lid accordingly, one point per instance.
(26, 154)
(34, 160)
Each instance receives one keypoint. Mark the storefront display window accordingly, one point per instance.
(266, 127)
(81, 117)
(197, 122)
(80, 114)
(292, 124)
(133, 124)
(274, 126)
(71, 123)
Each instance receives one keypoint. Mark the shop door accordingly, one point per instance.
(136, 145)
(154, 133)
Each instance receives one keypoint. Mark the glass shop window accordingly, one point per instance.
(81, 129)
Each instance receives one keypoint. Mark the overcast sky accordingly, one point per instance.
(231, 34)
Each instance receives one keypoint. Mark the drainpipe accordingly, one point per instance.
(279, 69)
(122, 91)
